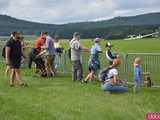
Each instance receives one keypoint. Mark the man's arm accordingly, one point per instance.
(99, 49)
(7, 52)
(23, 52)
(83, 48)
(45, 44)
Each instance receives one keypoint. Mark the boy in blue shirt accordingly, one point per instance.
(94, 62)
(137, 74)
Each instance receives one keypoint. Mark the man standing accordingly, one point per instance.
(50, 55)
(76, 57)
(14, 53)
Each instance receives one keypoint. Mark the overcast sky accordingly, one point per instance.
(64, 11)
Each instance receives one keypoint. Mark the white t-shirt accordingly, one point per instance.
(95, 48)
(112, 72)
(75, 50)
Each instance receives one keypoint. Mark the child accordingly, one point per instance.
(59, 51)
(137, 74)
(109, 53)
(94, 63)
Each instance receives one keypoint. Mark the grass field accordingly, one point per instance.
(61, 99)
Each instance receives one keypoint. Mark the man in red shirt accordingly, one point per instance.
(40, 40)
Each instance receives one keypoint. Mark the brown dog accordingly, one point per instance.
(147, 80)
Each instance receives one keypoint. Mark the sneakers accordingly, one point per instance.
(11, 85)
(135, 90)
(23, 85)
(84, 81)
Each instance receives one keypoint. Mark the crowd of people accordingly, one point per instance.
(47, 51)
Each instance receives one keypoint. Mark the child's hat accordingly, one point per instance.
(96, 39)
(109, 44)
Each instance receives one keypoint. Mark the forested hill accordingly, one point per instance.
(118, 27)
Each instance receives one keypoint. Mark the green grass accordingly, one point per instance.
(61, 99)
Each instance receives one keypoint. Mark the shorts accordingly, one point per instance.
(49, 64)
(94, 66)
(16, 64)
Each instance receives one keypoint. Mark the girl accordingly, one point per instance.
(59, 51)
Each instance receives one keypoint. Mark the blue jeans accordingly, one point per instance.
(137, 85)
(113, 88)
(57, 61)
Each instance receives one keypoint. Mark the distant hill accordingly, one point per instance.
(113, 28)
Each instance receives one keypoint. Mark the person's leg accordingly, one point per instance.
(74, 71)
(79, 71)
(92, 75)
(41, 65)
(113, 88)
(56, 61)
(106, 87)
(30, 59)
(7, 70)
(88, 77)
(18, 76)
(12, 77)
(53, 65)
(137, 86)
(59, 60)
(118, 89)
(47, 65)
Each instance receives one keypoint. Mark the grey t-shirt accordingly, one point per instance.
(75, 50)
(51, 48)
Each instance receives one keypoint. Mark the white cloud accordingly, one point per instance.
(64, 11)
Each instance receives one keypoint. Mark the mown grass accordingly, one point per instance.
(61, 99)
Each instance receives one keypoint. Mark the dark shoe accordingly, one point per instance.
(84, 81)
(11, 85)
(23, 85)
(44, 75)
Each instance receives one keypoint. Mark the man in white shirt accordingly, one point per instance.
(76, 57)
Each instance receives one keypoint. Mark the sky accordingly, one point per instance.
(68, 11)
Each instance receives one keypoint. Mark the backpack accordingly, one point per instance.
(69, 50)
(69, 53)
(103, 75)
(4, 52)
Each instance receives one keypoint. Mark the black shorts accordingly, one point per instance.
(16, 64)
